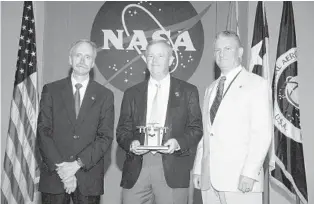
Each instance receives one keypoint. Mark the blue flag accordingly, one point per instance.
(289, 171)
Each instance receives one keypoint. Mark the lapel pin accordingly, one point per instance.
(93, 98)
(177, 94)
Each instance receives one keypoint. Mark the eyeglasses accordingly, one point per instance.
(224, 50)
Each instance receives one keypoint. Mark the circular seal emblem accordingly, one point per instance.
(122, 30)
(286, 106)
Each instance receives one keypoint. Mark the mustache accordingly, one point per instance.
(81, 65)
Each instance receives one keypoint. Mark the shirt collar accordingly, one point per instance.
(232, 73)
(84, 83)
(164, 82)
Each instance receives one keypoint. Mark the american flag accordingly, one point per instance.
(20, 174)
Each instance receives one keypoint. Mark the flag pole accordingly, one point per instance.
(266, 199)
(266, 195)
(228, 25)
(237, 18)
(298, 200)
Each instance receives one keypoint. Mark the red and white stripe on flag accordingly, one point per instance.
(20, 174)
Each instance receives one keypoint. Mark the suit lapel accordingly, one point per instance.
(68, 99)
(173, 102)
(206, 109)
(142, 104)
(88, 101)
(232, 93)
(141, 107)
(237, 85)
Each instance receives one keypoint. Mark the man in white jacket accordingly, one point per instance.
(237, 130)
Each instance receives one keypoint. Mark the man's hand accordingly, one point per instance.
(172, 144)
(66, 170)
(245, 184)
(134, 148)
(70, 184)
(197, 181)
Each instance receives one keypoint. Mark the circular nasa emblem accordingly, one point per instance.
(122, 30)
(286, 106)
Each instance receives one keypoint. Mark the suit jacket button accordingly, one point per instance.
(75, 137)
(211, 134)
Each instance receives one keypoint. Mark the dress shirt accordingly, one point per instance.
(163, 97)
(229, 77)
(82, 89)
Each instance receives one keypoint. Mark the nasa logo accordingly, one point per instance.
(121, 31)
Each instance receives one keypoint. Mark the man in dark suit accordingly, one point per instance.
(75, 129)
(160, 177)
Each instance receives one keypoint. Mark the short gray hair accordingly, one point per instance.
(161, 41)
(91, 43)
(230, 34)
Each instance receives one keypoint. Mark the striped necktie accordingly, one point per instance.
(218, 98)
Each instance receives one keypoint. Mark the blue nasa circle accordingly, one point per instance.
(115, 47)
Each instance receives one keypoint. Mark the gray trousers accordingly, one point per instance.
(151, 186)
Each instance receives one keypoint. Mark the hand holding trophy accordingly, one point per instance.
(153, 137)
(138, 151)
(172, 145)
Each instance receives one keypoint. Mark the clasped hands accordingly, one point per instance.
(66, 171)
(245, 183)
(172, 144)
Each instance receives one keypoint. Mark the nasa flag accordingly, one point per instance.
(289, 173)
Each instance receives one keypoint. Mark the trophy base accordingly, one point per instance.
(142, 147)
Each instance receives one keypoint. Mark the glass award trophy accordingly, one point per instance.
(153, 137)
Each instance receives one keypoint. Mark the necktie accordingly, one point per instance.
(155, 111)
(218, 98)
(155, 117)
(77, 98)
